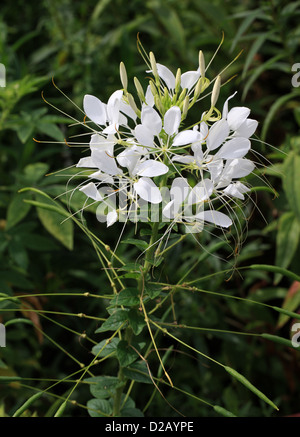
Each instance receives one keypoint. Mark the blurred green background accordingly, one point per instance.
(80, 45)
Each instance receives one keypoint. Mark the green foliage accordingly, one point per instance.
(73, 313)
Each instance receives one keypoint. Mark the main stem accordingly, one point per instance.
(140, 284)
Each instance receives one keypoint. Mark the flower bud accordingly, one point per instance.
(139, 89)
(178, 81)
(185, 107)
(123, 75)
(153, 65)
(201, 63)
(215, 91)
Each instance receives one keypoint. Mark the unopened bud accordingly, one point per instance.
(215, 92)
(153, 65)
(178, 81)
(153, 88)
(182, 96)
(201, 63)
(139, 89)
(132, 103)
(185, 106)
(123, 75)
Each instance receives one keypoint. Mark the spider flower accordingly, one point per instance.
(146, 150)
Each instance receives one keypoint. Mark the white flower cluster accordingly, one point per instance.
(144, 152)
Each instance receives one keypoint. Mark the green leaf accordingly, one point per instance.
(52, 221)
(286, 241)
(140, 244)
(103, 387)
(34, 172)
(136, 321)
(106, 347)
(18, 253)
(126, 354)
(99, 408)
(291, 303)
(291, 182)
(131, 412)
(153, 290)
(114, 321)
(17, 210)
(126, 297)
(274, 108)
(138, 372)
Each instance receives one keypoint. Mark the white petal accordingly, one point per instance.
(215, 167)
(151, 119)
(103, 177)
(180, 190)
(247, 128)
(237, 116)
(127, 110)
(113, 105)
(100, 143)
(235, 148)
(236, 190)
(94, 109)
(217, 134)
(144, 136)
(216, 217)
(151, 168)
(186, 137)
(105, 162)
(184, 159)
(149, 96)
(166, 75)
(200, 192)
(147, 190)
(239, 168)
(172, 120)
(86, 162)
(90, 190)
(189, 79)
(112, 217)
(170, 210)
(225, 107)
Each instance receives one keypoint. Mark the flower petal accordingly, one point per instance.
(200, 192)
(143, 135)
(112, 217)
(86, 162)
(189, 78)
(247, 128)
(235, 148)
(172, 120)
(94, 109)
(239, 168)
(105, 162)
(151, 168)
(217, 134)
(236, 190)
(186, 137)
(147, 190)
(236, 116)
(166, 75)
(151, 119)
(216, 217)
(225, 107)
(90, 190)
(180, 190)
